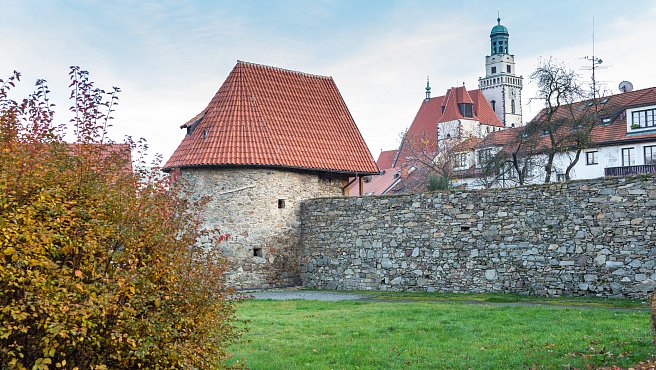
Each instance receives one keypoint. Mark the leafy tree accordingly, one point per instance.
(99, 266)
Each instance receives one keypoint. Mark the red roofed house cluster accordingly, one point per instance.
(465, 130)
(269, 139)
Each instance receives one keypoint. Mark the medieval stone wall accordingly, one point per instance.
(578, 238)
(260, 209)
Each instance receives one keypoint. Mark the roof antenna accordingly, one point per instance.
(498, 17)
(428, 88)
(595, 62)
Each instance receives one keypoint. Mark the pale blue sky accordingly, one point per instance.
(170, 57)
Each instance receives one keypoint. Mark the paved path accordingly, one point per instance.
(307, 295)
(311, 295)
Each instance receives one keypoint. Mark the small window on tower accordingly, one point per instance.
(494, 105)
(508, 69)
(494, 70)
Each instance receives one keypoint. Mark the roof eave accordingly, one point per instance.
(284, 167)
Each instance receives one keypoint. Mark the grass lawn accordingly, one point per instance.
(444, 334)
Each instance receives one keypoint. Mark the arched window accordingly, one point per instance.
(494, 105)
(512, 106)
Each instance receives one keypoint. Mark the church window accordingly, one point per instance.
(467, 110)
(512, 106)
(494, 69)
(508, 69)
(494, 105)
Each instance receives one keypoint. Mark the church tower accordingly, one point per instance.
(500, 86)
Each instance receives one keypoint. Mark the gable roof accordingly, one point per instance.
(268, 116)
(386, 159)
(483, 110)
(613, 132)
(444, 109)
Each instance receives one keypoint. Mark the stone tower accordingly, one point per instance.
(500, 86)
(268, 140)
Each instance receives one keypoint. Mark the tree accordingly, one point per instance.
(566, 121)
(99, 267)
(430, 159)
(514, 162)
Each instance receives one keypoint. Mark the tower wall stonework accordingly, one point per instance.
(263, 247)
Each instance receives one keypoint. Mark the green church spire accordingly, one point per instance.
(499, 39)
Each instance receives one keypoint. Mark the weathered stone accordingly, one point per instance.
(535, 240)
(490, 274)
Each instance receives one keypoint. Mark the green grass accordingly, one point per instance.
(424, 334)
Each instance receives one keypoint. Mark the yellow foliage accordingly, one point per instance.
(100, 268)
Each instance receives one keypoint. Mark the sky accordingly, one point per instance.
(170, 57)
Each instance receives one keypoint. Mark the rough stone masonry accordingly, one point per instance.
(590, 237)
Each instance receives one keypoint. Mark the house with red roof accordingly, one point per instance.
(622, 141)
(269, 139)
(443, 123)
(440, 124)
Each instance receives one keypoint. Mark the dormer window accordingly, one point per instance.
(467, 110)
(643, 118)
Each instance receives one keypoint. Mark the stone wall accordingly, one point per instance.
(578, 238)
(263, 247)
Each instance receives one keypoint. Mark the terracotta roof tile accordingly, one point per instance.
(483, 110)
(267, 116)
(423, 126)
(378, 185)
(430, 114)
(615, 109)
(610, 133)
(386, 159)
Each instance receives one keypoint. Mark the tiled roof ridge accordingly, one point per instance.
(284, 69)
(259, 123)
(642, 92)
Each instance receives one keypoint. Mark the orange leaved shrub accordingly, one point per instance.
(99, 265)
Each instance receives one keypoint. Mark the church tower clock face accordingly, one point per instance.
(500, 84)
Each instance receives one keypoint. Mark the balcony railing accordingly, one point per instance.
(630, 170)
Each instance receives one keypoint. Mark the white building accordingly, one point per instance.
(623, 142)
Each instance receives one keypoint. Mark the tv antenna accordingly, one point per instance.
(594, 61)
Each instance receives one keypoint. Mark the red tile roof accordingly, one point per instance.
(386, 159)
(267, 116)
(483, 110)
(424, 126)
(602, 134)
(377, 185)
(614, 108)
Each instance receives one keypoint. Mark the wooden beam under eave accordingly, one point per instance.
(361, 184)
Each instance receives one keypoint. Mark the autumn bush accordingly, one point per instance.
(99, 265)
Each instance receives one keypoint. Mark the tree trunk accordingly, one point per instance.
(572, 164)
(548, 168)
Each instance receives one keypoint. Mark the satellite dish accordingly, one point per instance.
(626, 86)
